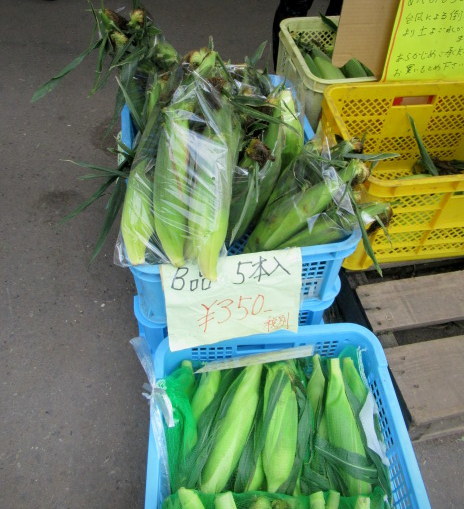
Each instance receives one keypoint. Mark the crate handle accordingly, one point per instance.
(413, 100)
(265, 347)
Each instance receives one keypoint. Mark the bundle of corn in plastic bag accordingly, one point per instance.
(206, 162)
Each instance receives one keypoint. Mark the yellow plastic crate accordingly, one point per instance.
(428, 217)
(291, 64)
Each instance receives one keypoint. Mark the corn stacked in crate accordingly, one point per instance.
(229, 414)
(291, 62)
(428, 211)
(320, 268)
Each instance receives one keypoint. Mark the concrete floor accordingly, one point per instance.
(73, 428)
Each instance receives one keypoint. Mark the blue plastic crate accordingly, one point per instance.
(329, 340)
(320, 280)
(310, 314)
(153, 332)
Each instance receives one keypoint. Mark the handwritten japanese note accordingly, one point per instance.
(255, 293)
(427, 41)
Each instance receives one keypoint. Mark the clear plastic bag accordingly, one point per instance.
(312, 202)
(180, 185)
(204, 171)
(266, 154)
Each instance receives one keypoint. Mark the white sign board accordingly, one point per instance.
(255, 293)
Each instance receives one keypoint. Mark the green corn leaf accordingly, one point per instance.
(305, 431)
(426, 160)
(151, 32)
(130, 104)
(190, 470)
(102, 169)
(116, 61)
(91, 176)
(249, 100)
(383, 478)
(251, 112)
(53, 82)
(246, 469)
(133, 56)
(118, 106)
(125, 150)
(259, 115)
(226, 71)
(371, 157)
(257, 55)
(94, 197)
(102, 52)
(128, 156)
(379, 221)
(351, 463)
(312, 481)
(331, 24)
(365, 236)
(114, 205)
(249, 457)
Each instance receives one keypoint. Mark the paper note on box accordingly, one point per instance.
(427, 41)
(255, 293)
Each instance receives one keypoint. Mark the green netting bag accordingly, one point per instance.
(192, 499)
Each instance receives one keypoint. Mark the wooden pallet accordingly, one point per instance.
(429, 372)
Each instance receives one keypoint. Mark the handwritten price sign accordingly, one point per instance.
(255, 293)
(427, 41)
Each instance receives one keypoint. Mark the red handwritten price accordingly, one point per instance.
(221, 311)
(278, 322)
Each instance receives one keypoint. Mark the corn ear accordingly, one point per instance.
(336, 224)
(281, 439)
(316, 500)
(318, 53)
(342, 428)
(333, 500)
(212, 190)
(281, 220)
(353, 69)
(257, 481)
(261, 503)
(263, 162)
(245, 191)
(362, 503)
(233, 428)
(170, 186)
(224, 501)
(316, 385)
(327, 70)
(181, 438)
(205, 392)
(353, 380)
(137, 224)
(189, 380)
(165, 55)
(291, 127)
(311, 65)
(189, 499)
